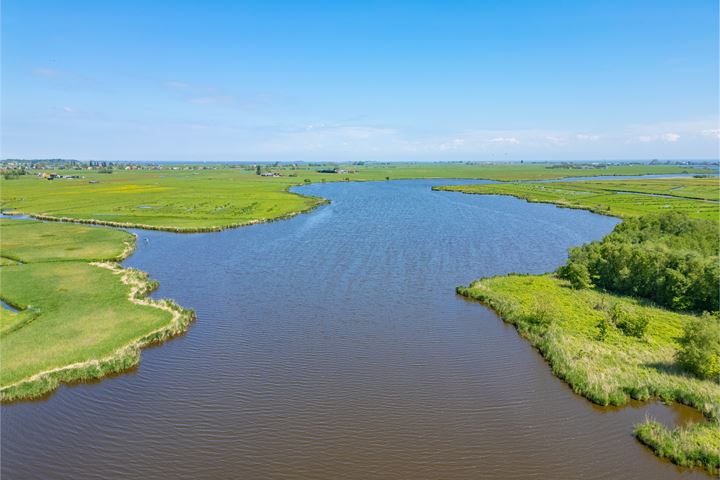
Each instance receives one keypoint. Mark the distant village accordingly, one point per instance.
(55, 169)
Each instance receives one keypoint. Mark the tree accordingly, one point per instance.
(700, 347)
(257, 170)
(577, 274)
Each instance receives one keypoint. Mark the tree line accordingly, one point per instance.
(667, 258)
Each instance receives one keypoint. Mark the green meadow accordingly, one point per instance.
(75, 319)
(202, 200)
(28, 241)
(694, 197)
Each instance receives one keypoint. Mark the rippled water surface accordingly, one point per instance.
(332, 345)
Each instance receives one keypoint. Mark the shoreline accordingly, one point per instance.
(182, 230)
(677, 444)
(319, 201)
(128, 356)
(665, 443)
(557, 346)
(559, 204)
(125, 357)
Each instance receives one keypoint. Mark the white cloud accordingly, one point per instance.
(670, 137)
(321, 138)
(711, 132)
(511, 140)
(665, 137)
(453, 144)
(587, 137)
(555, 140)
(68, 109)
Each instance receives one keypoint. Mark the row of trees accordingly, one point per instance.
(13, 173)
(668, 258)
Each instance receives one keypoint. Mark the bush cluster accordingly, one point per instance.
(699, 350)
(668, 258)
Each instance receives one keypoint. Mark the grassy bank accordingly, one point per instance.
(693, 197)
(609, 367)
(77, 319)
(209, 200)
(563, 324)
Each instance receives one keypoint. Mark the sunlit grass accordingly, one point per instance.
(71, 312)
(562, 323)
(694, 197)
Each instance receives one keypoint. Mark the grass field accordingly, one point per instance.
(694, 197)
(75, 320)
(196, 200)
(562, 323)
(29, 241)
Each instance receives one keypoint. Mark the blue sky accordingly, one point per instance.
(401, 80)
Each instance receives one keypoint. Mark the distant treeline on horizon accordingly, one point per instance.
(560, 164)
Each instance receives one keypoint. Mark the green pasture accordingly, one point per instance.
(69, 310)
(29, 241)
(694, 197)
(191, 200)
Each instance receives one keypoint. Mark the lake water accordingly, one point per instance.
(332, 345)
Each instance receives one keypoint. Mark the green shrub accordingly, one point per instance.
(700, 347)
(628, 321)
(577, 274)
(603, 327)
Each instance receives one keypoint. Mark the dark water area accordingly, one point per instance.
(332, 345)
(7, 306)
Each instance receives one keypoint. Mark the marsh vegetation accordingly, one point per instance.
(609, 324)
(74, 319)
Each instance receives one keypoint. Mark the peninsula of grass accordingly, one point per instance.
(562, 323)
(693, 197)
(191, 200)
(570, 326)
(79, 314)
